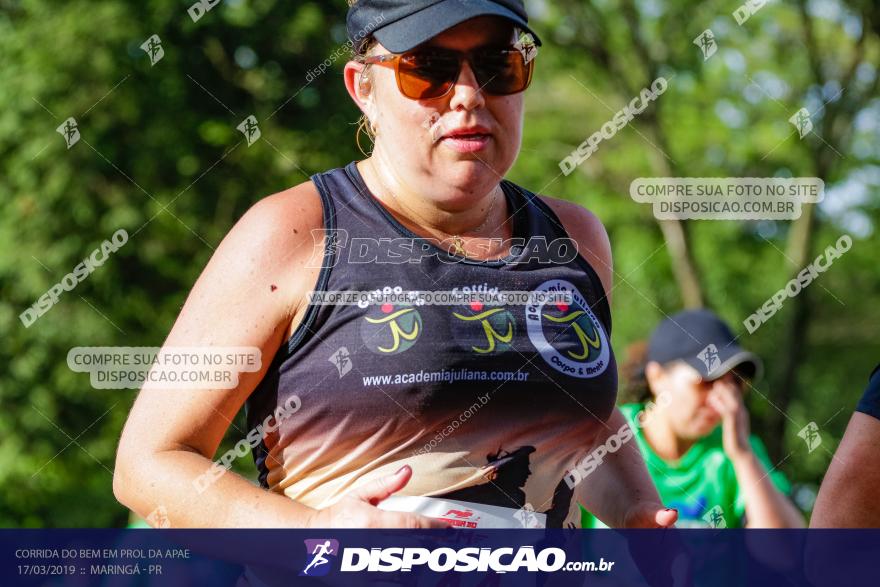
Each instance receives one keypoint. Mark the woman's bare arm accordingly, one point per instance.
(247, 295)
(252, 293)
(850, 492)
(620, 492)
(766, 506)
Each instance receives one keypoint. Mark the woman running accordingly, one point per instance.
(399, 414)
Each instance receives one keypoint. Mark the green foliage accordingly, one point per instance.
(161, 157)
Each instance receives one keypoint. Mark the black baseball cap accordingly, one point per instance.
(705, 342)
(401, 25)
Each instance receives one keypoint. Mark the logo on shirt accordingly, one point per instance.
(319, 550)
(568, 336)
(461, 518)
(389, 329)
(483, 329)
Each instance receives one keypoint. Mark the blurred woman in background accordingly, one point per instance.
(687, 380)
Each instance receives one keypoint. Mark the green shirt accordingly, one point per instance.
(702, 485)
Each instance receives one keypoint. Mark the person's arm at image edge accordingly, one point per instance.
(620, 491)
(850, 493)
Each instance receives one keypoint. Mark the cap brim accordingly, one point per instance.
(417, 28)
(735, 358)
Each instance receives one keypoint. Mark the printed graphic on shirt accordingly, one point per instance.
(483, 329)
(568, 336)
(506, 479)
(389, 329)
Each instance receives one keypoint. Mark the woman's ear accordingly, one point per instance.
(358, 85)
(654, 376)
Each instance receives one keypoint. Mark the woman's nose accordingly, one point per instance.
(467, 92)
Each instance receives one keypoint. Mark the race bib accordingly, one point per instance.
(465, 514)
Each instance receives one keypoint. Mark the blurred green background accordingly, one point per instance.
(160, 156)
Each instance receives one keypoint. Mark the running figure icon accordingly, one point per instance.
(318, 556)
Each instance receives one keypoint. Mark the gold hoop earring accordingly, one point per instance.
(362, 128)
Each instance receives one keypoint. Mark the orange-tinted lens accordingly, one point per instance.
(426, 75)
(502, 72)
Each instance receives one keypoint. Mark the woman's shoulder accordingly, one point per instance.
(272, 254)
(276, 237)
(283, 219)
(294, 207)
(588, 232)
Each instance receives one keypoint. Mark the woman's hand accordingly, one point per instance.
(358, 508)
(726, 399)
(650, 515)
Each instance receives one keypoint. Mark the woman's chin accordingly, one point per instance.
(472, 175)
(706, 423)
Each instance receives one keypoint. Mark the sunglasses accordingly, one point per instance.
(429, 73)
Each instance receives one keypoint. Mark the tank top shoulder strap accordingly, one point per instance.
(337, 186)
(544, 221)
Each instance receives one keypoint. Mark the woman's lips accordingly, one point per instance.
(466, 143)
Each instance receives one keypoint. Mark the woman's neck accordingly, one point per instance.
(661, 437)
(484, 218)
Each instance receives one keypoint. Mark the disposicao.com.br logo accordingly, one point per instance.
(442, 559)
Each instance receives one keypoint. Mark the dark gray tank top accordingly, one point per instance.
(490, 404)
